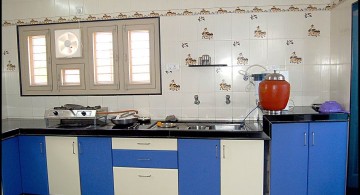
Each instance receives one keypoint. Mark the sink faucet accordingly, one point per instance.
(197, 101)
(227, 99)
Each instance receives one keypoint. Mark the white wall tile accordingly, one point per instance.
(240, 27)
(277, 52)
(223, 27)
(206, 79)
(222, 53)
(223, 75)
(94, 100)
(122, 6)
(141, 101)
(188, 28)
(258, 52)
(110, 102)
(125, 102)
(157, 101)
(157, 113)
(311, 78)
(190, 79)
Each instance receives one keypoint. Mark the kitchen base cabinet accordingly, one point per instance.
(63, 165)
(199, 166)
(308, 158)
(10, 167)
(242, 167)
(140, 181)
(96, 173)
(33, 164)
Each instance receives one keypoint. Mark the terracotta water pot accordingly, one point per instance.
(274, 92)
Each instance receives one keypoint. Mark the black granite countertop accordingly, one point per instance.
(300, 114)
(14, 127)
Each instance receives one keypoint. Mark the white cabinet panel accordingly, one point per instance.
(144, 143)
(242, 167)
(63, 165)
(140, 181)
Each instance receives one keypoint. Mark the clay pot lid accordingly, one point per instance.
(275, 76)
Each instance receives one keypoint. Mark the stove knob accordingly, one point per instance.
(56, 113)
(83, 113)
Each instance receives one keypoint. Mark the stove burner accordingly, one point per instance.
(76, 107)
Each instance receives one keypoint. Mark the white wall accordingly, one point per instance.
(310, 79)
(340, 45)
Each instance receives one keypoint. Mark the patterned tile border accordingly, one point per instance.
(186, 12)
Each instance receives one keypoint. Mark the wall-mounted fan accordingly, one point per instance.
(68, 43)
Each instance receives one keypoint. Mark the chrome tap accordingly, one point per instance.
(227, 99)
(197, 101)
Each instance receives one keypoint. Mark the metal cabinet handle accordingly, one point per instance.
(305, 142)
(144, 175)
(143, 143)
(79, 148)
(143, 159)
(41, 147)
(224, 151)
(73, 147)
(216, 151)
(313, 138)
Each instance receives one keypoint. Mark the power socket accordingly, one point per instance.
(172, 67)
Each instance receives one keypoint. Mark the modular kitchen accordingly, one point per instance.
(179, 97)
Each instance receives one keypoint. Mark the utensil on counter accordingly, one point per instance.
(274, 92)
(127, 118)
(165, 125)
(331, 106)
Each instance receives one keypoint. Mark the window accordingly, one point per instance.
(95, 57)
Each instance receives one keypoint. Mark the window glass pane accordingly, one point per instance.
(105, 78)
(141, 69)
(141, 78)
(103, 58)
(139, 64)
(40, 71)
(104, 70)
(70, 76)
(40, 80)
(37, 60)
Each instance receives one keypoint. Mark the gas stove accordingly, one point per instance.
(73, 111)
(73, 115)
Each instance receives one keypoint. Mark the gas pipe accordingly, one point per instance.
(274, 92)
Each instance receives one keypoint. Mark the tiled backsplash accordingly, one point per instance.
(297, 41)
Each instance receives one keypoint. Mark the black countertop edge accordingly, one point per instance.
(259, 135)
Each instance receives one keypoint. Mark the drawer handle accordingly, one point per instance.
(144, 175)
(143, 143)
(143, 159)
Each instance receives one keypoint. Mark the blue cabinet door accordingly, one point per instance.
(327, 158)
(199, 167)
(33, 164)
(288, 159)
(10, 167)
(96, 172)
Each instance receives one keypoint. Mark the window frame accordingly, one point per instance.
(24, 74)
(121, 85)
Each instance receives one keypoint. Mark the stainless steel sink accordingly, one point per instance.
(201, 127)
(228, 127)
(212, 126)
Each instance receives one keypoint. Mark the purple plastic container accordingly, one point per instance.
(331, 106)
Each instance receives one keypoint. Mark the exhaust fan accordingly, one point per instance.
(67, 43)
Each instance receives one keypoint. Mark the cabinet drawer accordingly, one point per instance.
(144, 144)
(140, 181)
(145, 158)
